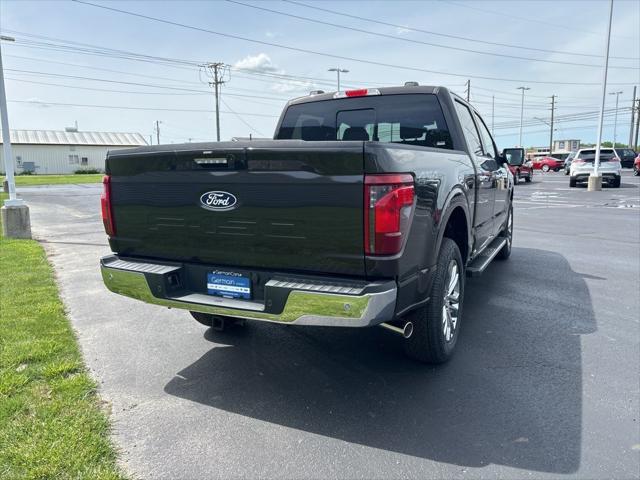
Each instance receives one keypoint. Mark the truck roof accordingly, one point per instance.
(404, 89)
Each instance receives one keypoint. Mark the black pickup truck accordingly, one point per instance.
(367, 208)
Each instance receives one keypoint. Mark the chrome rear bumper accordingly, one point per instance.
(305, 304)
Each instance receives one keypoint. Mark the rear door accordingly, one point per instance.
(286, 205)
(485, 178)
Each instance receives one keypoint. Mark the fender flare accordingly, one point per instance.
(456, 198)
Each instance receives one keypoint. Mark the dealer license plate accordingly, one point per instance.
(229, 285)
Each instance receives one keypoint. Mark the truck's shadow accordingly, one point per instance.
(511, 396)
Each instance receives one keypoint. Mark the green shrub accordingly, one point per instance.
(87, 171)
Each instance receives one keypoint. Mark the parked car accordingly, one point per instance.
(636, 166)
(280, 231)
(547, 163)
(567, 162)
(627, 157)
(519, 168)
(583, 165)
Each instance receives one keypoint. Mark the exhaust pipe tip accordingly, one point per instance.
(405, 331)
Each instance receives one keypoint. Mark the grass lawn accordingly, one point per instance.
(25, 180)
(51, 423)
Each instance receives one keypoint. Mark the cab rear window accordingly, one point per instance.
(407, 119)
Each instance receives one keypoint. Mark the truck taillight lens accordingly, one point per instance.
(107, 209)
(388, 204)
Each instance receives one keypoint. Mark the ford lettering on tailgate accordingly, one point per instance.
(218, 201)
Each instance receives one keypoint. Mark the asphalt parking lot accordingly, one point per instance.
(544, 383)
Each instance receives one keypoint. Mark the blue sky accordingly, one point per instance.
(175, 92)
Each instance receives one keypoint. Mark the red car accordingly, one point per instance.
(518, 166)
(636, 166)
(547, 163)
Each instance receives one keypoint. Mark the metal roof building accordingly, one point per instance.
(62, 152)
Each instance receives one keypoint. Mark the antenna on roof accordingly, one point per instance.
(72, 129)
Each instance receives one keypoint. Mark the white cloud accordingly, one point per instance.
(402, 30)
(256, 63)
(262, 63)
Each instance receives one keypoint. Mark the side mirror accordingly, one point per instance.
(514, 156)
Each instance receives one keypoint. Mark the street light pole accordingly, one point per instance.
(595, 180)
(615, 121)
(522, 114)
(15, 213)
(338, 71)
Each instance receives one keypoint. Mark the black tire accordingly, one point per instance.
(572, 181)
(221, 322)
(545, 168)
(556, 169)
(428, 341)
(616, 182)
(566, 172)
(636, 171)
(529, 177)
(507, 232)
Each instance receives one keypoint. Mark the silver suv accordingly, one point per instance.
(582, 166)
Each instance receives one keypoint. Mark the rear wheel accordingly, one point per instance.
(529, 177)
(436, 324)
(616, 183)
(557, 169)
(545, 168)
(572, 181)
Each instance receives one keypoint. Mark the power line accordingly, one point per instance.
(329, 55)
(151, 109)
(243, 120)
(543, 22)
(420, 42)
(447, 35)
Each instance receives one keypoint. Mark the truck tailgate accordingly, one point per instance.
(286, 205)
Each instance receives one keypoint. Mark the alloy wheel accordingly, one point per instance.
(451, 305)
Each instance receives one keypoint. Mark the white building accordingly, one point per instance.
(62, 152)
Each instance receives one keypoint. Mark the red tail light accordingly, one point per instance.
(388, 200)
(107, 209)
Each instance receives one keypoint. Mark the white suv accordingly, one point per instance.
(582, 166)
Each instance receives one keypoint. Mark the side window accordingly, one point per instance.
(489, 149)
(469, 128)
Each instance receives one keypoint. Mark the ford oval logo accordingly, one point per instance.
(218, 201)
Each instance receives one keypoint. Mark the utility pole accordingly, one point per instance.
(553, 109)
(615, 121)
(522, 113)
(595, 180)
(14, 212)
(633, 113)
(635, 138)
(338, 70)
(216, 79)
(493, 114)
(468, 90)
(157, 129)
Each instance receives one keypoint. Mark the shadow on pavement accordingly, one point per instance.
(511, 396)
